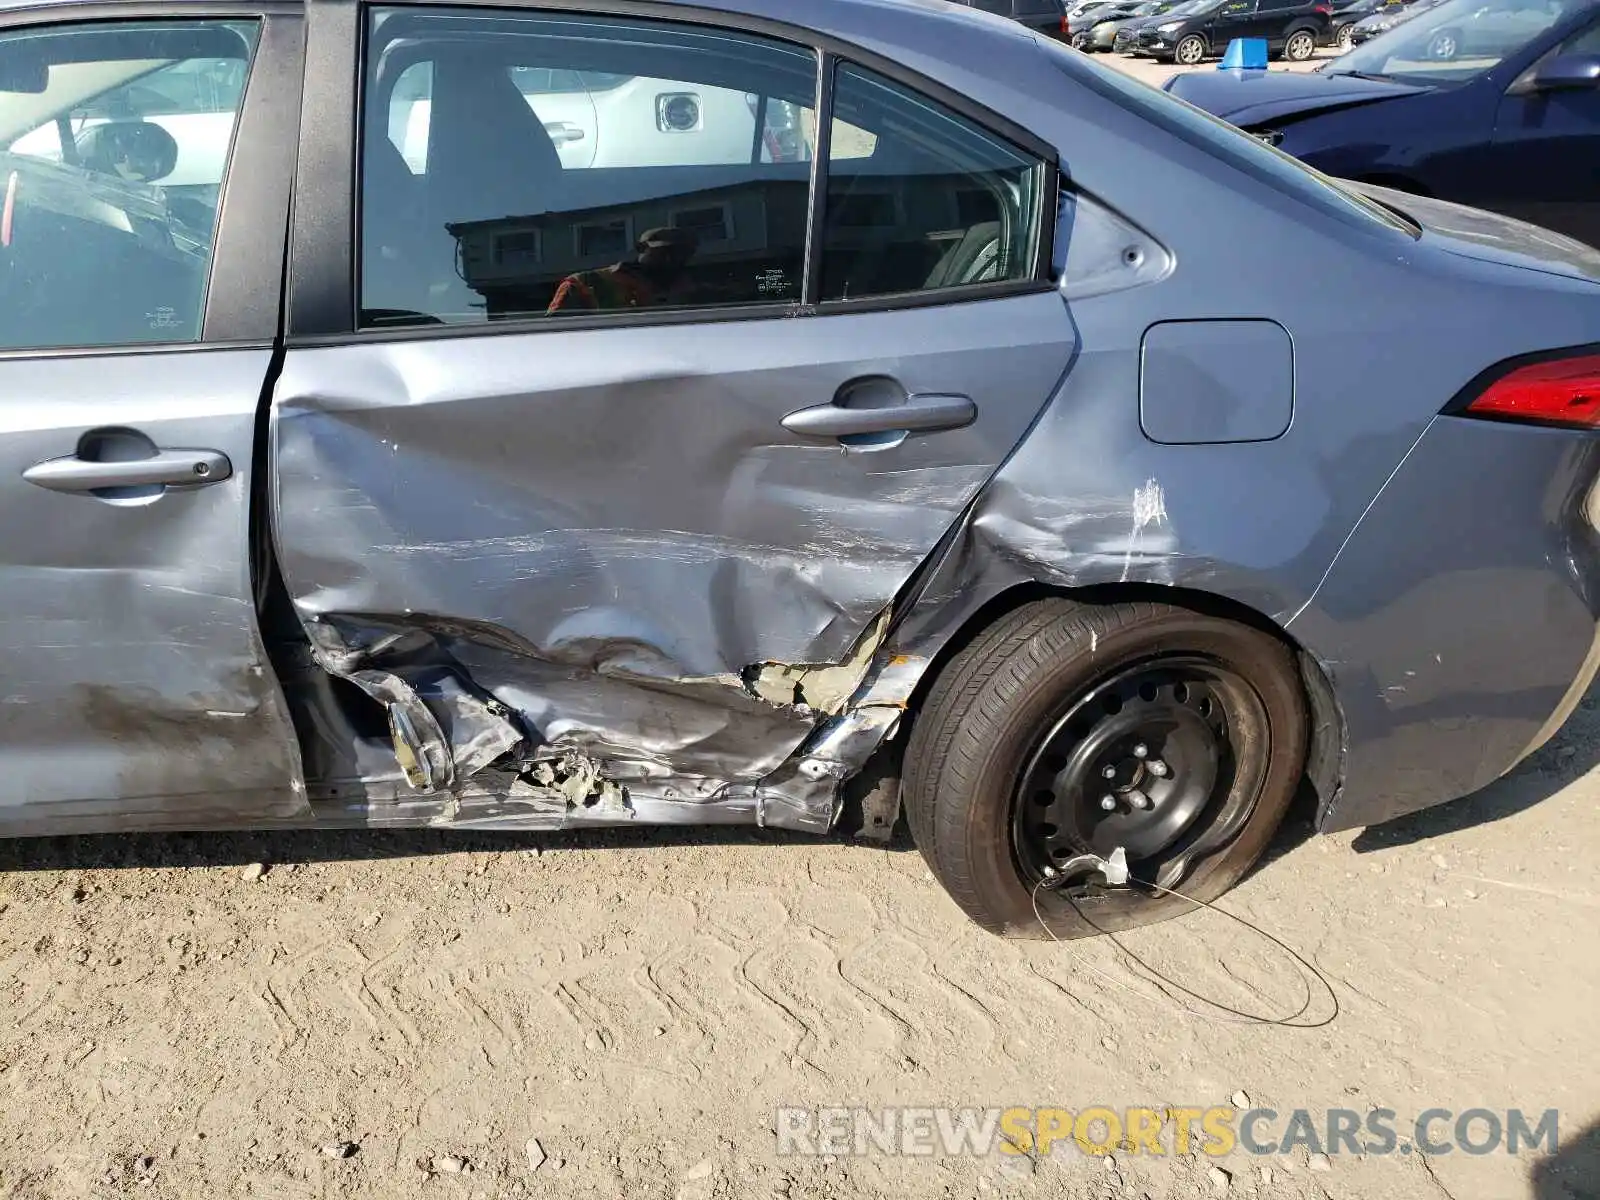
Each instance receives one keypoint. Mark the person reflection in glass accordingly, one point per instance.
(653, 276)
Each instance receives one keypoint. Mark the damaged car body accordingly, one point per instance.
(865, 432)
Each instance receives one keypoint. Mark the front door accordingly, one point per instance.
(137, 341)
(632, 454)
(1545, 154)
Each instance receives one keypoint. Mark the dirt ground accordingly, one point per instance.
(642, 1002)
(397, 1015)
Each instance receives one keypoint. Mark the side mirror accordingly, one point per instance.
(1563, 73)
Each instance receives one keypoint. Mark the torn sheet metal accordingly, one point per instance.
(807, 791)
(443, 729)
(606, 543)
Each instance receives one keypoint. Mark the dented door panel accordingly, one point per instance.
(604, 545)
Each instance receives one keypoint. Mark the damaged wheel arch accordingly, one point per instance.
(872, 797)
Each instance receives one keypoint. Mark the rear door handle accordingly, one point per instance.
(917, 414)
(172, 468)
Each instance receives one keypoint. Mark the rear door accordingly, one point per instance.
(1544, 160)
(626, 453)
(138, 338)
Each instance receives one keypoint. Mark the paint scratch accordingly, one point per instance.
(1149, 508)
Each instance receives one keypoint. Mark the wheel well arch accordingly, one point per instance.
(1327, 739)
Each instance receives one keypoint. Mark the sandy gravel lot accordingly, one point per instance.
(397, 1015)
(641, 1003)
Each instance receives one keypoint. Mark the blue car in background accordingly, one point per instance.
(1491, 103)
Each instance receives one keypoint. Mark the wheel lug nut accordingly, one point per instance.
(1157, 768)
(1108, 803)
(1141, 751)
(1108, 773)
(1139, 800)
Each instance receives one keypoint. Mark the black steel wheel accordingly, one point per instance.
(1137, 762)
(1066, 731)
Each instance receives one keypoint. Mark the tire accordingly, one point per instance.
(1443, 46)
(1000, 709)
(1190, 51)
(1342, 39)
(1300, 45)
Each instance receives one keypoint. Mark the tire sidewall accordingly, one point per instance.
(1260, 659)
(1189, 40)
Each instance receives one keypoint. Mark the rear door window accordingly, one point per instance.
(535, 166)
(539, 165)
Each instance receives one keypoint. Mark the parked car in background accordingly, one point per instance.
(1345, 16)
(1048, 17)
(1083, 12)
(1371, 26)
(1126, 39)
(647, 120)
(1514, 128)
(1101, 36)
(1081, 29)
(1291, 28)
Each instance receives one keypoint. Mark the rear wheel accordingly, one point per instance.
(1301, 45)
(1068, 729)
(1189, 51)
(1342, 38)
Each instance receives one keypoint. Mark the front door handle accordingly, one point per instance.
(171, 468)
(916, 414)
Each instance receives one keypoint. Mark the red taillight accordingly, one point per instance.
(1064, 29)
(1323, 9)
(1564, 391)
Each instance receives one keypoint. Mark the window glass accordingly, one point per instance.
(1275, 6)
(937, 203)
(1586, 41)
(542, 165)
(115, 141)
(1038, 8)
(1000, 8)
